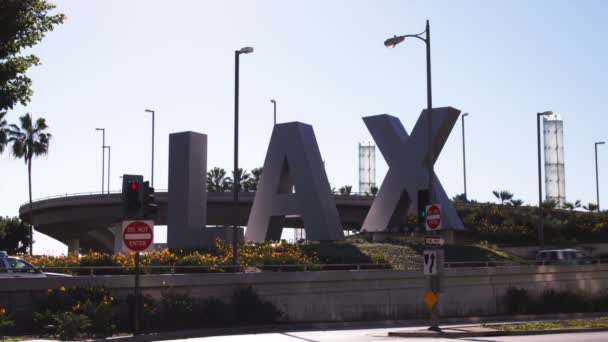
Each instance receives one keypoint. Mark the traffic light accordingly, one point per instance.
(132, 197)
(150, 208)
(423, 200)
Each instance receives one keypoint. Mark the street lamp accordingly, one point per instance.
(391, 43)
(597, 182)
(152, 172)
(103, 155)
(109, 159)
(464, 159)
(236, 180)
(274, 103)
(541, 233)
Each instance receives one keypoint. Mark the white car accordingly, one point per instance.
(14, 267)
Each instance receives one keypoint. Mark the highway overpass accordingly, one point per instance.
(86, 221)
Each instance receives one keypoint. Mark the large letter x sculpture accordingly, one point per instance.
(407, 158)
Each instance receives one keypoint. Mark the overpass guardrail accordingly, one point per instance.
(178, 269)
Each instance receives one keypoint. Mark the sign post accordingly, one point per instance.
(433, 261)
(137, 236)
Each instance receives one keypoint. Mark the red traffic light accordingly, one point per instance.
(133, 186)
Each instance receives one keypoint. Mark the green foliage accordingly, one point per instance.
(345, 190)
(3, 131)
(554, 325)
(509, 225)
(23, 24)
(14, 235)
(5, 322)
(75, 312)
(70, 326)
(251, 309)
(519, 301)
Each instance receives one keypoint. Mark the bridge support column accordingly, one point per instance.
(73, 246)
(117, 232)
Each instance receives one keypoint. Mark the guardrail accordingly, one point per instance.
(176, 269)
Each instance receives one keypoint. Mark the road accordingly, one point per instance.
(381, 335)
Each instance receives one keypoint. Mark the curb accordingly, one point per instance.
(179, 334)
(429, 334)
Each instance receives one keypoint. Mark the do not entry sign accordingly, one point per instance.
(137, 236)
(433, 217)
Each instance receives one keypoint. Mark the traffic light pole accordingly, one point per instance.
(137, 302)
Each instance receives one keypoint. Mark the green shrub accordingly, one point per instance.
(5, 322)
(214, 312)
(178, 310)
(250, 308)
(518, 301)
(70, 326)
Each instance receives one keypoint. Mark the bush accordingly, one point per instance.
(250, 308)
(70, 326)
(75, 312)
(5, 322)
(518, 301)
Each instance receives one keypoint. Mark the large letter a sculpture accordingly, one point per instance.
(407, 158)
(293, 161)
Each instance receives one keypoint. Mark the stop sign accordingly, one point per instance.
(137, 236)
(433, 217)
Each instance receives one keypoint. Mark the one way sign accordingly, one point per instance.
(430, 262)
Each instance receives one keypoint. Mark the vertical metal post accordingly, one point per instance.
(152, 177)
(274, 103)
(103, 156)
(137, 302)
(464, 159)
(541, 237)
(109, 160)
(236, 180)
(597, 181)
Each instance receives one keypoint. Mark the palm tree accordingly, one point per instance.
(504, 196)
(374, 190)
(590, 207)
(216, 180)
(516, 202)
(256, 175)
(549, 204)
(244, 181)
(569, 206)
(3, 132)
(345, 190)
(29, 140)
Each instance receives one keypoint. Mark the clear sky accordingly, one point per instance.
(325, 64)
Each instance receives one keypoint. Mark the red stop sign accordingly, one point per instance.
(137, 235)
(433, 217)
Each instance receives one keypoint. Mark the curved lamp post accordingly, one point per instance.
(274, 104)
(391, 43)
(152, 171)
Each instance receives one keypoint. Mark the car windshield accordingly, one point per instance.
(19, 265)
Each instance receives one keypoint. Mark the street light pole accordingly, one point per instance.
(152, 172)
(103, 155)
(541, 233)
(597, 181)
(109, 160)
(391, 43)
(236, 178)
(464, 159)
(274, 103)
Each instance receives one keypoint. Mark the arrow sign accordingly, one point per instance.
(430, 262)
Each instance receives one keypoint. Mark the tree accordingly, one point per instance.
(3, 132)
(569, 206)
(345, 190)
(549, 204)
(517, 202)
(459, 198)
(504, 196)
(256, 175)
(244, 181)
(23, 24)
(29, 140)
(590, 207)
(14, 235)
(374, 190)
(216, 180)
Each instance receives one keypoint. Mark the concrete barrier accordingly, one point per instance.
(340, 295)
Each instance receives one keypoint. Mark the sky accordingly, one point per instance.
(325, 64)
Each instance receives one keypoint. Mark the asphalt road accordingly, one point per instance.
(367, 335)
